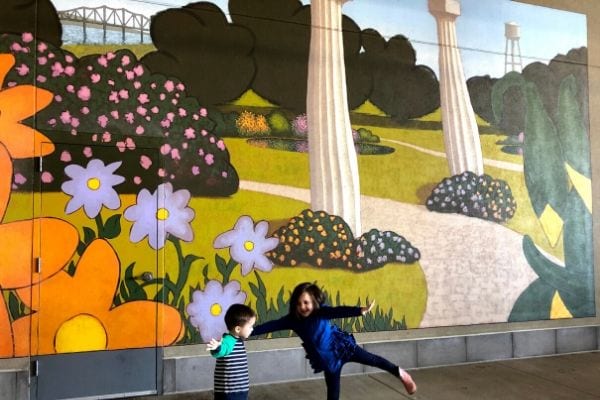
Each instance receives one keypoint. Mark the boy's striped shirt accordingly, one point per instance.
(231, 370)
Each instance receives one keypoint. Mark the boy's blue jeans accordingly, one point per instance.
(231, 396)
(361, 356)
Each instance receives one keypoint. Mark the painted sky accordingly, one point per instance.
(545, 32)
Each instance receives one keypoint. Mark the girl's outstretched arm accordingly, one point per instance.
(339, 312)
(272, 326)
(344, 311)
(367, 309)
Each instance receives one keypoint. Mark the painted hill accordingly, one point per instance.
(252, 99)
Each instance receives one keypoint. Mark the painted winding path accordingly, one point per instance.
(475, 269)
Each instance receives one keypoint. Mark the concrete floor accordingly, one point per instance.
(570, 376)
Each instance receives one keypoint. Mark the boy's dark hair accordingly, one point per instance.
(238, 315)
(313, 291)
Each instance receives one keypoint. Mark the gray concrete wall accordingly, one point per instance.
(193, 372)
(190, 368)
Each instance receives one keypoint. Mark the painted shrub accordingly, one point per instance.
(113, 100)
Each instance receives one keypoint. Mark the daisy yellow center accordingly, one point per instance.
(83, 332)
(93, 183)
(248, 245)
(216, 309)
(162, 214)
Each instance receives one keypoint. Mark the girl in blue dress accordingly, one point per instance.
(327, 347)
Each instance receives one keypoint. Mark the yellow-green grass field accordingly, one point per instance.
(213, 216)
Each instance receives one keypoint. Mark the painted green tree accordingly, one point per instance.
(557, 175)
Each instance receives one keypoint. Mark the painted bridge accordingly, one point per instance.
(106, 18)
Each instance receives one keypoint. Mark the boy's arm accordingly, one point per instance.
(225, 348)
(340, 312)
(271, 326)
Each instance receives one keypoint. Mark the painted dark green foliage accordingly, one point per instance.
(549, 146)
(545, 178)
(16, 17)
(114, 105)
(545, 174)
(572, 129)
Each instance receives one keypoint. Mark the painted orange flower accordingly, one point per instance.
(20, 239)
(75, 313)
(16, 104)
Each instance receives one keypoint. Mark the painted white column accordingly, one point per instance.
(461, 134)
(334, 180)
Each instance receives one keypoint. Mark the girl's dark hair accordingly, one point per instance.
(313, 291)
(238, 315)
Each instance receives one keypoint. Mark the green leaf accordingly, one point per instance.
(205, 274)
(71, 267)
(261, 298)
(280, 303)
(533, 304)
(112, 227)
(190, 258)
(134, 289)
(14, 306)
(261, 285)
(161, 295)
(550, 273)
(80, 248)
(123, 291)
(88, 235)
(221, 264)
(129, 271)
(139, 293)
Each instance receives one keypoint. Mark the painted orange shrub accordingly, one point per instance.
(251, 124)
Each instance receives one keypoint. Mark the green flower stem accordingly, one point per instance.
(184, 270)
(99, 225)
(231, 264)
(156, 281)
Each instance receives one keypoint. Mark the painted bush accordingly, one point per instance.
(113, 100)
(325, 241)
(479, 196)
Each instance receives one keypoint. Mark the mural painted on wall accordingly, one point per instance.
(159, 179)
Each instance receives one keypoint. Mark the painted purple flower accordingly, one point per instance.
(300, 125)
(248, 244)
(160, 213)
(208, 307)
(92, 187)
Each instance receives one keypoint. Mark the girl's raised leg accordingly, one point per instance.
(362, 356)
(332, 379)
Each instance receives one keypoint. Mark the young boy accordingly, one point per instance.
(231, 371)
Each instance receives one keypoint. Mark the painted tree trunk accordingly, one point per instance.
(334, 180)
(461, 135)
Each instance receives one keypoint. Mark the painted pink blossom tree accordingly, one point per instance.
(113, 100)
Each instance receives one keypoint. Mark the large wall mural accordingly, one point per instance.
(150, 176)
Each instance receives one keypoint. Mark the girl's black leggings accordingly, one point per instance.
(361, 356)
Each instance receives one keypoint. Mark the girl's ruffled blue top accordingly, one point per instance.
(327, 346)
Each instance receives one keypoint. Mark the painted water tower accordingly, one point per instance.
(512, 57)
